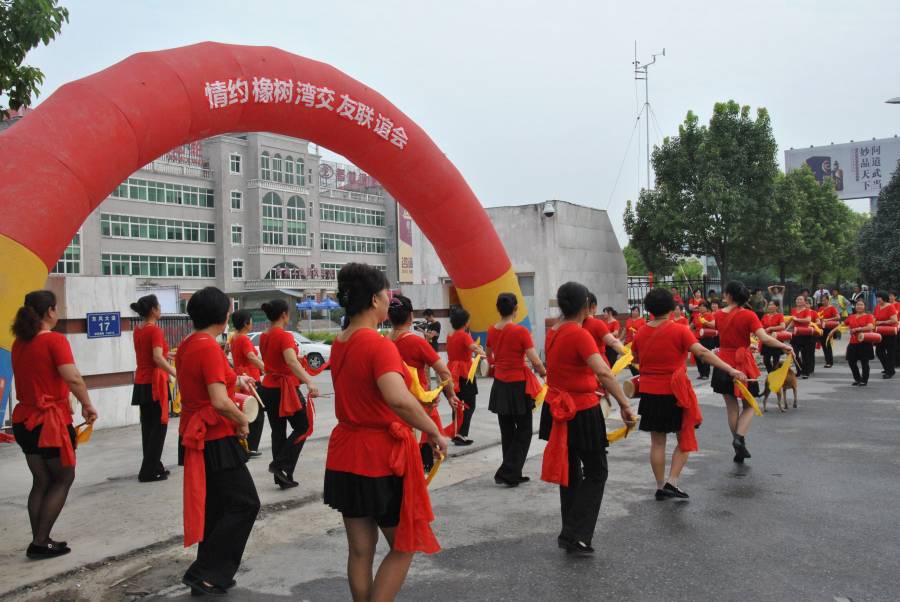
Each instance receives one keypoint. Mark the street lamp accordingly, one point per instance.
(893, 101)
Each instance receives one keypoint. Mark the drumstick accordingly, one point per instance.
(253, 392)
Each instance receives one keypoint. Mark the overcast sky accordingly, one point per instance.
(537, 100)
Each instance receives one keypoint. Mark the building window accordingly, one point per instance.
(158, 266)
(296, 222)
(237, 235)
(346, 243)
(299, 173)
(154, 228)
(237, 269)
(237, 200)
(70, 262)
(288, 170)
(136, 189)
(272, 220)
(265, 170)
(235, 304)
(234, 163)
(343, 214)
(277, 166)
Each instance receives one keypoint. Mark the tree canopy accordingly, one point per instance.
(24, 24)
(879, 240)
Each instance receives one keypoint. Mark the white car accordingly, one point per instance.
(315, 353)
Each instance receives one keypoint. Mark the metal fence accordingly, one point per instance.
(175, 328)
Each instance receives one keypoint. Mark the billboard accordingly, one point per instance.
(404, 246)
(857, 169)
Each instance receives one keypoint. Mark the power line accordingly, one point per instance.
(624, 158)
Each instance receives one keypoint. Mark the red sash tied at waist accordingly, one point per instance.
(202, 426)
(290, 399)
(54, 416)
(532, 385)
(414, 531)
(743, 361)
(563, 407)
(459, 369)
(160, 388)
(691, 418)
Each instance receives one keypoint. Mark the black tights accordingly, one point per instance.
(50, 487)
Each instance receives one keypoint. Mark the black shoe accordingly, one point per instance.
(828, 365)
(740, 447)
(887, 376)
(562, 543)
(524, 479)
(253, 453)
(579, 548)
(154, 478)
(200, 588)
(676, 492)
(502, 481)
(663, 494)
(51, 550)
(863, 384)
(283, 480)
(231, 584)
(805, 376)
(855, 383)
(61, 544)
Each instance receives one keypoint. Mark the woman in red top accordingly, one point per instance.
(859, 353)
(804, 344)
(886, 325)
(575, 456)
(246, 362)
(632, 326)
(602, 335)
(612, 324)
(893, 298)
(828, 317)
(373, 472)
(151, 387)
(735, 324)
(220, 499)
(695, 302)
(280, 392)
(678, 316)
(419, 354)
(704, 325)
(45, 372)
(668, 402)
(460, 348)
(772, 322)
(508, 344)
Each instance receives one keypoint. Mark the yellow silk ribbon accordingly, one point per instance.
(623, 362)
(777, 377)
(748, 396)
(620, 433)
(416, 387)
(539, 398)
(434, 470)
(840, 328)
(83, 433)
(473, 369)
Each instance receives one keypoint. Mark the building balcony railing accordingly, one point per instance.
(272, 185)
(279, 250)
(297, 283)
(349, 195)
(177, 169)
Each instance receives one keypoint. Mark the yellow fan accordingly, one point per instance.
(473, 369)
(417, 390)
(620, 433)
(83, 433)
(777, 377)
(434, 469)
(623, 362)
(747, 395)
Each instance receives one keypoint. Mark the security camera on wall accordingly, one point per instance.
(549, 209)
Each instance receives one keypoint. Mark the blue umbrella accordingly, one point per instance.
(328, 304)
(308, 304)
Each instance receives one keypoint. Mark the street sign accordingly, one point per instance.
(104, 325)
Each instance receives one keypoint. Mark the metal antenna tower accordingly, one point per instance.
(640, 73)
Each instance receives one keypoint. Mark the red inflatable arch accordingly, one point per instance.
(64, 159)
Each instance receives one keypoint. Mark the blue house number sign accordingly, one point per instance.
(104, 325)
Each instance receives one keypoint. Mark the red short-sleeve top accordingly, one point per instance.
(35, 366)
(735, 327)
(830, 312)
(858, 321)
(884, 312)
(240, 347)
(804, 314)
(632, 325)
(567, 349)
(508, 346)
(770, 320)
(417, 353)
(598, 330)
(613, 326)
(682, 320)
(661, 351)
(201, 362)
(459, 345)
(145, 339)
(272, 345)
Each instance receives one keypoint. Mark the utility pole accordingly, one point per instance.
(640, 73)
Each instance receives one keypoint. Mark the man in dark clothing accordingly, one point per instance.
(432, 328)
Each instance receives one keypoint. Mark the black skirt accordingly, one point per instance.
(142, 395)
(587, 429)
(357, 496)
(223, 454)
(860, 352)
(659, 413)
(723, 384)
(28, 440)
(509, 398)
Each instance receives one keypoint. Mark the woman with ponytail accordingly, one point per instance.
(280, 392)
(45, 373)
(151, 387)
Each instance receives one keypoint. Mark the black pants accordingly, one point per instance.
(515, 439)
(231, 508)
(897, 352)
(284, 451)
(805, 350)
(256, 429)
(827, 348)
(580, 502)
(153, 438)
(468, 392)
(858, 357)
(886, 352)
(703, 367)
(611, 356)
(771, 358)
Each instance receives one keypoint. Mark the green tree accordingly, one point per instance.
(714, 190)
(24, 24)
(879, 240)
(688, 269)
(636, 265)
